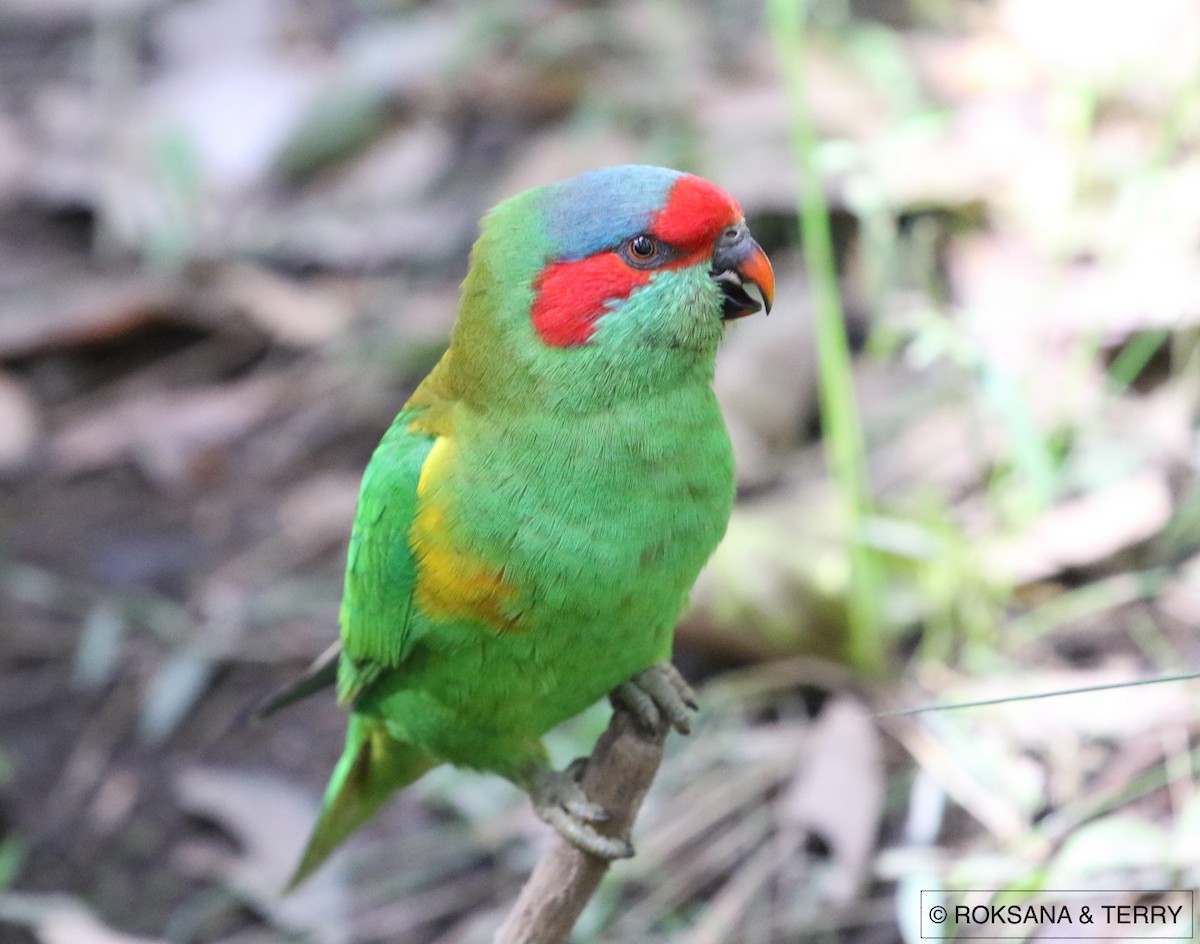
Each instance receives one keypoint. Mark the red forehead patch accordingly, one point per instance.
(695, 213)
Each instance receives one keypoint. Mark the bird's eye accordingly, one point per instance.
(643, 247)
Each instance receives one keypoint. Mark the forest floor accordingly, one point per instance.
(231, 233)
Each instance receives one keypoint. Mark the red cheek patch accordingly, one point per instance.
(571, 296)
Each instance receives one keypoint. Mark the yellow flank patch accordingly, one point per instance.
(435, 419)
(453, 583)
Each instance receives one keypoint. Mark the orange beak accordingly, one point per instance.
(756, 268)
(738, 259)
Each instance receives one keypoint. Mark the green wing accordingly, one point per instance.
(381, 573)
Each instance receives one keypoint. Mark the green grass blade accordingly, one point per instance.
(839, 411)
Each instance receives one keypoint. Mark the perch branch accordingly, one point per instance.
(618, 775)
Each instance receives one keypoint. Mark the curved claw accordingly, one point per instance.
(576, 769)
(584, 837)
(658, 692)
(559, 801)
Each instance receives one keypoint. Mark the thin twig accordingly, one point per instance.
(619, 774)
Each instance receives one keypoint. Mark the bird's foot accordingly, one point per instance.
(559, 801)
(658, 692)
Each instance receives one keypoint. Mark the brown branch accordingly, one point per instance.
(618, 775)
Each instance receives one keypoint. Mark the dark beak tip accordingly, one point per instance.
(738, 303)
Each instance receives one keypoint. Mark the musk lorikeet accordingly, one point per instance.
(531, 524)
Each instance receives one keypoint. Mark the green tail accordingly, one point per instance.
(373, 766)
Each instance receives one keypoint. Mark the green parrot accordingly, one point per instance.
(531, 524)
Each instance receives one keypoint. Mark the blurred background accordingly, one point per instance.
(231, 233)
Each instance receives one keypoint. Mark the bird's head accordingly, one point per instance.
(607, 285)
